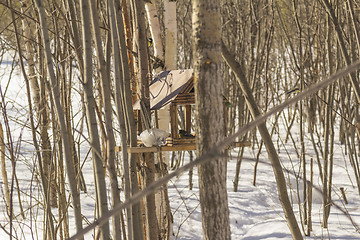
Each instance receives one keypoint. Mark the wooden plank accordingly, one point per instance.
(169, 141)
(181, 141)
(240, 144)
(187, 147)
(189, 86)
(185, 98)
(173, 120)
(188, 118)
(182, 147)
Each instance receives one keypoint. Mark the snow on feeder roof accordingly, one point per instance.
(166, 87)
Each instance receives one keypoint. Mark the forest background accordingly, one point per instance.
(83, 64)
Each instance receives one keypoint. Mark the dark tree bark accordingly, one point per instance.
(209, 117)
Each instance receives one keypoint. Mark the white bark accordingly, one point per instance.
(154, 24)
(170, 34)
(170, 58)
(163, 114)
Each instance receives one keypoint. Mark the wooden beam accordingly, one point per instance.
(174, 148)
(184, 98)
(188, 147)
(173, 120)
(188, 118)
(240, 144)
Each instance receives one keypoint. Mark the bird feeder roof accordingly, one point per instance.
(166, 86)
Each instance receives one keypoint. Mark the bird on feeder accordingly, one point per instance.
(185, 134)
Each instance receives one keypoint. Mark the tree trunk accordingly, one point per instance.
(75, 34)
(3, 171)
(144, 97)
(162, 200)
(209, 117)
(171, 34)
(154, 25)
(328, 128)
(128, 129)
(99, 174)
(301, 113)
(106, 95)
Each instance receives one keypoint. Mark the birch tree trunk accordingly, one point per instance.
(154, 25)
(163, 115)
(206, 24)
(54, 88)
(170, 34)
(99, 175)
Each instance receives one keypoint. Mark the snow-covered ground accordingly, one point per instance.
(255, 211)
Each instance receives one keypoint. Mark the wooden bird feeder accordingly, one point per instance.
(173, 89)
